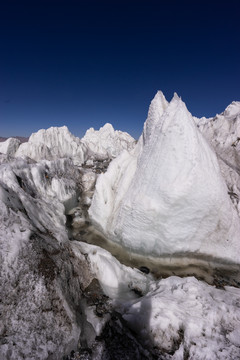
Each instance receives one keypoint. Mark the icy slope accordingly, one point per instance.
(168, 197)
(52, 144)
(106, 142)
(10, 146)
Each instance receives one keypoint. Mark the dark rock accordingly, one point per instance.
(144, 269)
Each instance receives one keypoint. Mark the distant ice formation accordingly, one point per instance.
(58, 142)
(167, 197)
(106, 142)
(52, 144)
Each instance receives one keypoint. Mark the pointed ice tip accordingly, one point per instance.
(176, 97)
(233, 109)
(160, 99)
(159, 95)
(107, 127)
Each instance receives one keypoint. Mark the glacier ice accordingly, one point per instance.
(161, 200)
(167, 197)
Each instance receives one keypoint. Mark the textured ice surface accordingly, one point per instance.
(167, 197)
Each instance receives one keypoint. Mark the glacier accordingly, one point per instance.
(167, 207)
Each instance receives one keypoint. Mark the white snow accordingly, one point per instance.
(167, 197)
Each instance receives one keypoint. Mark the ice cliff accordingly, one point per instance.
(167, 198)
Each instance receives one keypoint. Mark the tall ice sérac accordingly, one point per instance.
(167, 197)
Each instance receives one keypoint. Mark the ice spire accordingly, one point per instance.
(156, 109)
(171, 200)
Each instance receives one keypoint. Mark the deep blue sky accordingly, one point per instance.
(83, 63)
